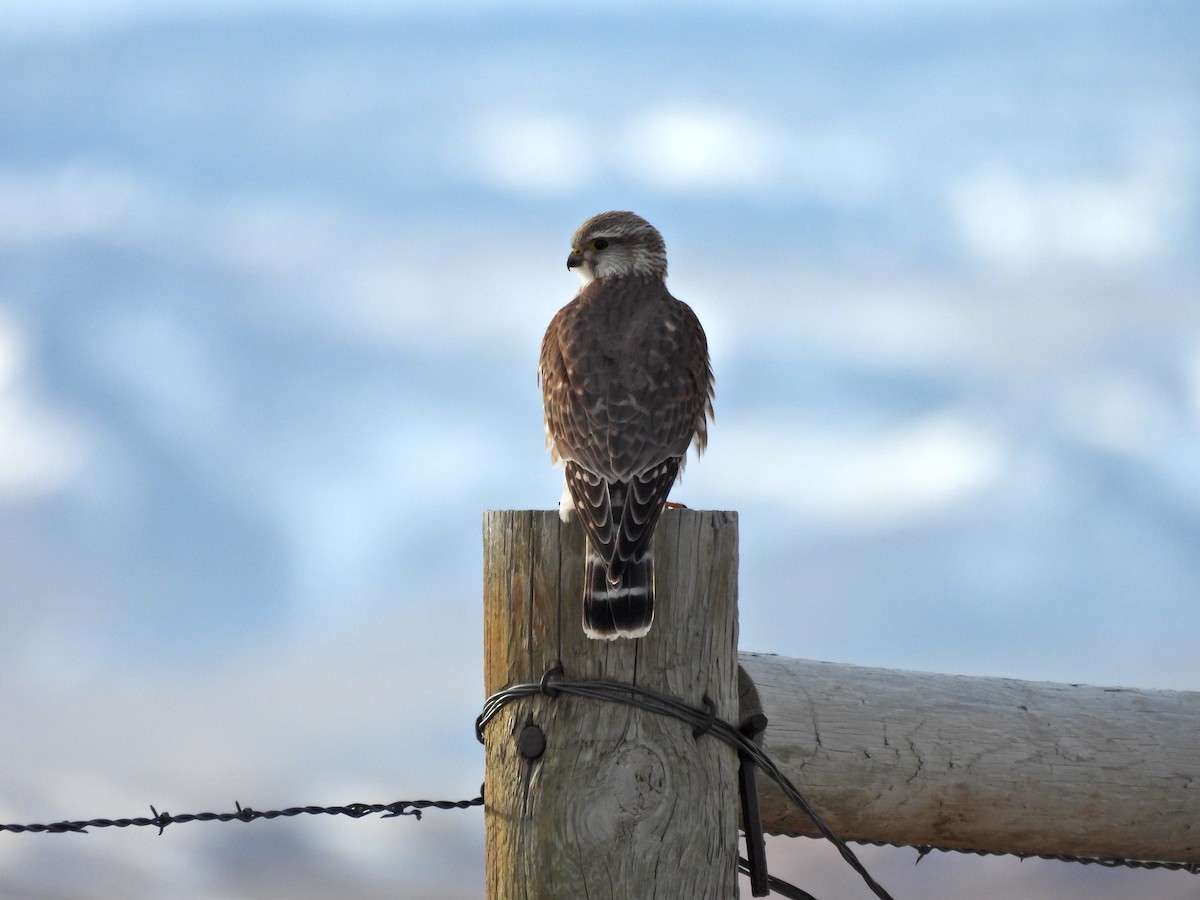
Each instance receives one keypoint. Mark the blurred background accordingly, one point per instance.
(273, 279)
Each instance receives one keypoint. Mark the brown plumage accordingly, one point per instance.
(627, 387)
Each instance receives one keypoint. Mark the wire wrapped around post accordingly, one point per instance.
(596, 813)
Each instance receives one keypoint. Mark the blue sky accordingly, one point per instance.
(272, 283)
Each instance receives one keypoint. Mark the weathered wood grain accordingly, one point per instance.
(981, 763)
(623, 804)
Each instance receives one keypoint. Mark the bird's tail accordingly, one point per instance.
(621, 610)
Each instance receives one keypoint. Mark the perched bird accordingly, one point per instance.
(627, 387)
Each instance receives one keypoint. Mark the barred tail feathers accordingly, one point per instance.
(622, 610)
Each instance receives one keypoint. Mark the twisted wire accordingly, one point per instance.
(161, 820)
(703, 720)
(777, 885)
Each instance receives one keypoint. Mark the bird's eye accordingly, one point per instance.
(600, 243)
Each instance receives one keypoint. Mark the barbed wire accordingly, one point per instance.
(161, 820)
(1104, 862)
(703, 720)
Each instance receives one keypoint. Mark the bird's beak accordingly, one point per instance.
(574, 260)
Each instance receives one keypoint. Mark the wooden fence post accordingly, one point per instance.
(622, 804)
(991, 764)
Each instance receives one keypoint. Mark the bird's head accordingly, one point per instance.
(617, 243)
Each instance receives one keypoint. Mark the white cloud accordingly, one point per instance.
(41, 452)
(1118, 411)
(689, 149)
(678, 149)
(308, 265)
(80, 199)
(854, 480)
(1022, 223)
(539, 153)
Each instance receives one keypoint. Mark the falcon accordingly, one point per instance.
(627, 387)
